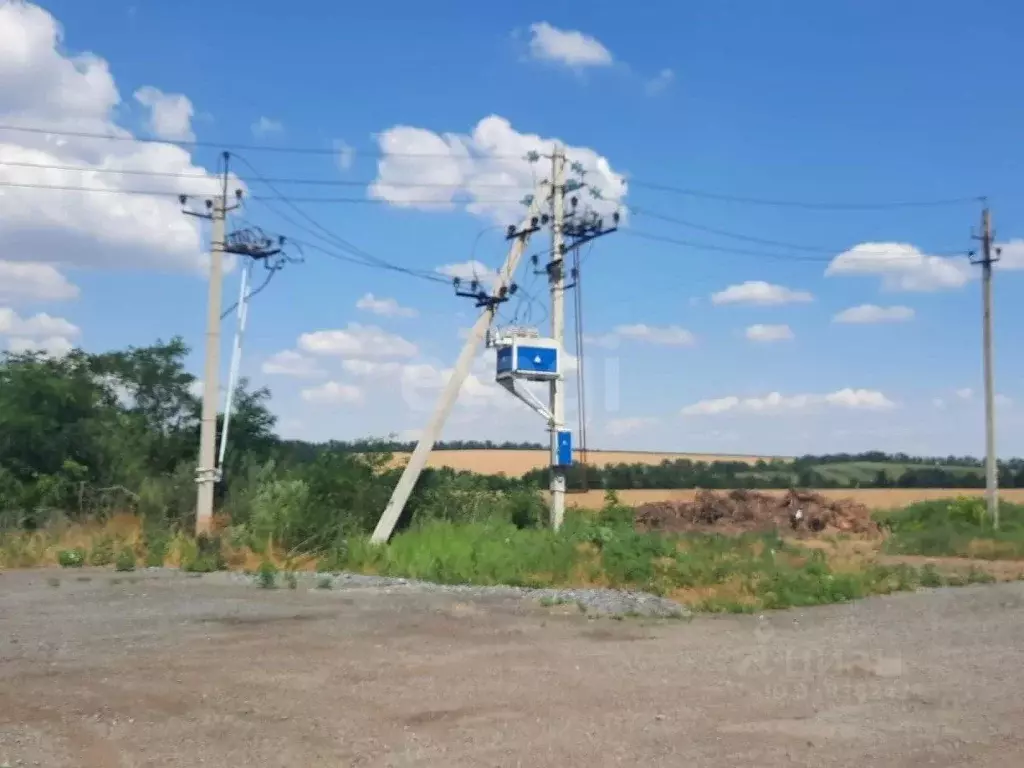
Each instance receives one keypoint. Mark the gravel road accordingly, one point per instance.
(160, 669)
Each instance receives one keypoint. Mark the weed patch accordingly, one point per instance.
(125, 560)
(955, 528)
(71, 558)
(266, 575)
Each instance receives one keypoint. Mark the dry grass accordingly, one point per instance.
(41, 548)
(515, 463)
(875, 498)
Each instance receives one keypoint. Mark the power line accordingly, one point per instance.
(327, 234)
(722, 248)
(325, 151)
(259, 198)
(280, 149)
(764, 254)
(807, 205)
(272, 180)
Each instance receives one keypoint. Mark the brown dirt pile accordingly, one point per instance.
(798, 511)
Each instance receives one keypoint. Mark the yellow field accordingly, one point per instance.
(515, 463)
(875, 498)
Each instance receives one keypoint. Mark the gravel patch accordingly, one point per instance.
(597, 602)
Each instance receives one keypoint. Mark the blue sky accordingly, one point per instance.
(822, 103)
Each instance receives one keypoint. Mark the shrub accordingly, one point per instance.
(102, 551)
(156, 539)
(71, 558)
(955, 527)
(125, 560)
(205, 556)
(266, 575)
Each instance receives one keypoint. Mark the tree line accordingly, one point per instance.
(86, 433)
(684, 473)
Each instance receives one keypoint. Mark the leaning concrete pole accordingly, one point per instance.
(418, 460)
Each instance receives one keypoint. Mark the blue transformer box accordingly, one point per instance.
(563, 449)
(528, 359)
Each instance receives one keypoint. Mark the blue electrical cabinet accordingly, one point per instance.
(563, 449)
(527, 358)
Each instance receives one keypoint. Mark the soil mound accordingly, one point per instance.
(734, 511)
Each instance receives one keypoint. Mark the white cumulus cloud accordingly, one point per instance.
(485, 171)
(1011, 254)
(54, 346)
(761, 293)
(872, 313)
(384, 306)
(775, 402)
(332, 393)
(288, 362)
(902, 267)
(37, 326)
(42, 85)
(357, 341)
(567, 46)
(768, 333)
(170, 114)
(25, 282)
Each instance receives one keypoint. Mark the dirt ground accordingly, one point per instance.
(798, 512)
(164, 670)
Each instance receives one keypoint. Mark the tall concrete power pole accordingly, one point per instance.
(391, 514)
(556, 279)
(206, 472)
(986, 259)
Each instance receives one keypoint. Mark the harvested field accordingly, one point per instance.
(159, 669)
(515, 463)
(803, 512)
(873, 498)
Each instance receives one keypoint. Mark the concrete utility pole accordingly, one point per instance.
(556, 279)
(206, 472)
(418, 460)
(986, 260)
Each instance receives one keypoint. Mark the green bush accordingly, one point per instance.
(156, 539)
(203, 556)
(955, 527)
(71, 558)
(125, 560)
(102, 551)
(266, 575)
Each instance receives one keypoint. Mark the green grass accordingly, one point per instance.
(708, 572)
(955, 528)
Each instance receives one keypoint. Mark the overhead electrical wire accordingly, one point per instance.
(260, 198)
(641, 183)
(327, 234)
(808, 205)
(271, 180)
(293, 202)
(581, 401)
(233, 145)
